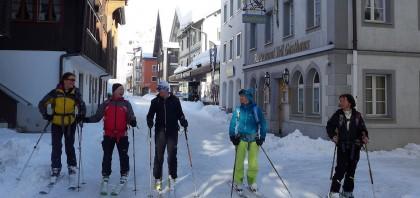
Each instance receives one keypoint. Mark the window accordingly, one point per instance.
(377, 10)
(313, 14)
(239, 2)
(231, 46)
(231, 8)
(224, 52)
(288, 23)
(269, 28)
(154, 68)
(36, 10)
(154, 78)
(225, 13)
(300, 94)
(253, 36)
(376, 95)
(238, 45)
(316, 94)
(182, 44)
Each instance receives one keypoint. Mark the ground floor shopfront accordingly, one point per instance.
(388, 93)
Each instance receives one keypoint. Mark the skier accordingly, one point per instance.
(168, 110)
(63, 100)
(247, 120)
(347, 129)
(117, 114)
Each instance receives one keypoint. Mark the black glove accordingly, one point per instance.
(259, 141)
(184, 123)
(150, 123)
(47, 117)
(133, 123)
(235, 140)
(80, 118)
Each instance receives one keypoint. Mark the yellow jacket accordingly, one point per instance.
(63, 105)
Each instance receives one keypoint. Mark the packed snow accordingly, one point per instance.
(303, 163)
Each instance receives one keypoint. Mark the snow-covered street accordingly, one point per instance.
(303, 163)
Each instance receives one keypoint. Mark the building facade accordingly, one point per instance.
(197, 75)
(149, 74)
(231, 54)
(44, 39)
(308, 52)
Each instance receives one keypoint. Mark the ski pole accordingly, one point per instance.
(35, 147)
(134, 159)
(150, 162)
(333, 162)
(191, 165)
(370, 171)
(79, 134)
(233, 174)
(272, 165)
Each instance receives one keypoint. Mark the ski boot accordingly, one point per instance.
(55, 172)
(253, 188)
(347, 195)
(334, 195)
(158, 185)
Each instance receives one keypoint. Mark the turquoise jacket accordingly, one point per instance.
(246, 125)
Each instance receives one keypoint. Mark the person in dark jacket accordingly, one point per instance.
(168, 111)
(117, 114)
(64, 100)
(347, 130)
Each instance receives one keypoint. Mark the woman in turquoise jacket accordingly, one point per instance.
(247, 132)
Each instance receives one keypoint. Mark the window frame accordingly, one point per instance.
(238, 42)
(253, 37)
(224, 52)
(225, 13)
(372, 11)
(36, 12)
(290, 17)
(374, 100)
(269, 20)
(299, 100)
(316, 86)
(317, 12)
(231, 47)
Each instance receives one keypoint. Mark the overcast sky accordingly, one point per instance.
(141, 23)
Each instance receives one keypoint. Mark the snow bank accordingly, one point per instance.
(212, 112)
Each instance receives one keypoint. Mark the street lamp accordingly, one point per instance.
(267, 79)
(286, 76)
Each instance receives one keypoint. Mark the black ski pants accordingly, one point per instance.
(108, 145)
(347, 158)
(57, 133)
(165, 139)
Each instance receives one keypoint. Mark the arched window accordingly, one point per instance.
(316, 94)
(301, 88)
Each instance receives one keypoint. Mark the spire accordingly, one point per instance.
(158, 38)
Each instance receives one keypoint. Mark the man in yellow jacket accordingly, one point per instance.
(63, 100)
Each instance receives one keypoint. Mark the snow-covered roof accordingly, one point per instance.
(147, 55)
(181, 69)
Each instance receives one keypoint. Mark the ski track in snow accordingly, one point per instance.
(303, 163)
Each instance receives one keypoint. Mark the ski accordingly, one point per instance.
(240, 193)
(104, 188)
(47, 189)
(118, 188)
(72, 182)
(254, 194)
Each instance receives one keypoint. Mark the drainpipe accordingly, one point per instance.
(355, 54)
(62, 57)
(100, 88)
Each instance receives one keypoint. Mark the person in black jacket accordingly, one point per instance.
(168, 110)
(347, 130)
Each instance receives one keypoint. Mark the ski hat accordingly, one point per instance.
(248, 93)
(163, 86)
(115, 86)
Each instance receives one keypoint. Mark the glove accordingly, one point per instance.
(133, 123)
(80, 118)
(85, 120)
(184, 123)
(150, 123)
(235, 140)
(47, 117)
(259, 141)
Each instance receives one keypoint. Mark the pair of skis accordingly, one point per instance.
(115, 191)
(47, 189)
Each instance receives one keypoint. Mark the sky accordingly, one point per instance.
(140, 25)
